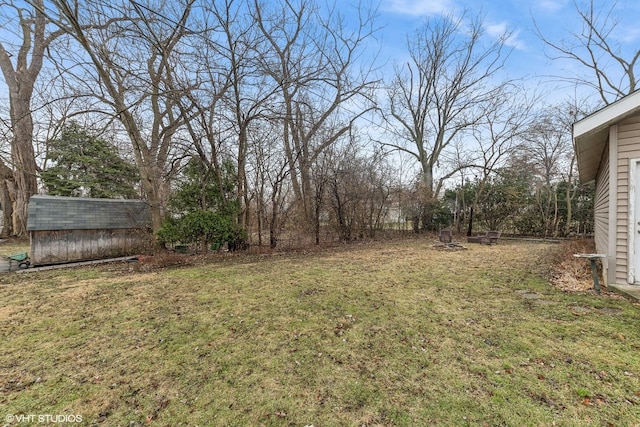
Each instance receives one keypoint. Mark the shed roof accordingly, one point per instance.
(591, 134)
(78, 213)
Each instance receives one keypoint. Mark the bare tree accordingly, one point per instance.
(499, 135)
(441, 91)
(20, 70)
(563, 116)
(133, 52)
(547, 153)
(313, 60)
(200, 94)
(248, 88)
(547, 147)
(359, 191)
(271, 183)
(609, 70)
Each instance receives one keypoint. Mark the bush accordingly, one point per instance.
(205, 227)
(205, 209)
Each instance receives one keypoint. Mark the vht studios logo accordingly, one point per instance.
(43, 418)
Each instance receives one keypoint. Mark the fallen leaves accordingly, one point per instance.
(571, 273)
(594, 401)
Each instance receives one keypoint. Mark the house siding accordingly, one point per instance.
(601, 205)
(628, 148)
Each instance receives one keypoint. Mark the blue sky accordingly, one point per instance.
(557, 19)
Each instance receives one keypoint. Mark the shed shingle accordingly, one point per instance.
(78, 213)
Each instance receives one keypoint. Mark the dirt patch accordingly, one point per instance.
(534, 297)
(528, 295)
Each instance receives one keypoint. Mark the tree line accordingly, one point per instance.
(242, 120)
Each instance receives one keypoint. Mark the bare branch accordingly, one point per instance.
(595, 50)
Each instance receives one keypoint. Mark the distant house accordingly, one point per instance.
(69, 229)
(608, 148)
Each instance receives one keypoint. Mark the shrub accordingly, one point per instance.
(203, 227)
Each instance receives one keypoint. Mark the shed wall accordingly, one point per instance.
(61, 246)
(601, 205)
(628, 148)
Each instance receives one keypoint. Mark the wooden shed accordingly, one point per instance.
(608, 149)
(69, 229)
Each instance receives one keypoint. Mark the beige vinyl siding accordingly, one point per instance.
(601, 205)
(628, 148)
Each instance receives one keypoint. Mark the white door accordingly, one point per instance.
(634, 222)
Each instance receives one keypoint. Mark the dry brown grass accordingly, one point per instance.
(570, 273)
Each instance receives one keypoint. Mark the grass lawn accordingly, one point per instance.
(381, 334)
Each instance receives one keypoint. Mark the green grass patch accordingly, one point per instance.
(386, 334)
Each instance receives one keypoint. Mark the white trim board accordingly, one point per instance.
(632, 277)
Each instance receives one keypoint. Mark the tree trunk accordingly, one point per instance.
(427, 196)
(241, 193)
(273, 234)
(6, 184)
(273, 221)
(569, 198)
(567, 225)
(20, 81)
(23, 158)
